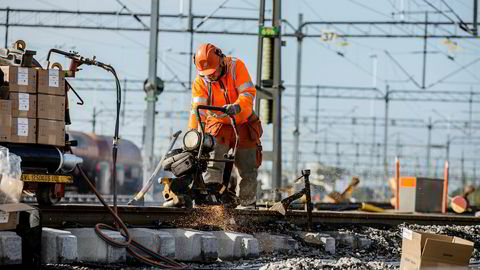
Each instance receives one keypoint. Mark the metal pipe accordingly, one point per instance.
(151, 93)
(475, 180)
(397, 182)
(385, 134)
(475, 26)
(296, 131)
(429, 144)
(277, 98)
(7, 17)
(317, 108)
(445, 188)
(190, 29)
(374, 135)
(43, 158)
(470, 111)
(258, 81)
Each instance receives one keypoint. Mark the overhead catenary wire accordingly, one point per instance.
(439, 11)
(49, 4)
(135, 16)
(410, 77)
(429, 43)
(211, 14)
(442, 79)
(461, 23)
(369, 8)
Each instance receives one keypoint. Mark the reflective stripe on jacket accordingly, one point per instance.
(240, 90)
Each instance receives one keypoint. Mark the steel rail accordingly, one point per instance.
(61, 216)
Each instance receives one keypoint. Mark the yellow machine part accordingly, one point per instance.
(46, 178)
(168, 193)
(371, 208)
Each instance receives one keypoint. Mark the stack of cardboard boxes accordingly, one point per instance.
(32, 106)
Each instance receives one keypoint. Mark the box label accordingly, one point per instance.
(53, 75)
(407, 234)
(22, 76)
(22, 129)
(23, 102)
(4, 217)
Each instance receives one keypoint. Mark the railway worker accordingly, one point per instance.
(224, 81)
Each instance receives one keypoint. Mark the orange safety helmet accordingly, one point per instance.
(207, 59)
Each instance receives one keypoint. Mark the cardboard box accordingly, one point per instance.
(51, 107)
(20, 79)
(433, 251)
(5, 120)
(9, 214)
(23, 105)
(24, 130)
(51, 82)
(51, 132)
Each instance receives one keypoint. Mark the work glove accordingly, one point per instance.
(232, 109)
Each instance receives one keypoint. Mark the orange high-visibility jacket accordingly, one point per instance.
(239, 90)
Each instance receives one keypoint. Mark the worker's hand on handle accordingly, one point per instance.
(232, 109)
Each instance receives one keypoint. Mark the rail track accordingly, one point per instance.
(86, 215)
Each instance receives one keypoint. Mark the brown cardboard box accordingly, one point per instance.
(9, 214)
(23, 105)
(433, 251)
(51, 132)
(51, 107)
(51, 82)
(5, 120)
(20, 79)
(24, 130)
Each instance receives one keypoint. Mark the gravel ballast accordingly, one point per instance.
(383, 253)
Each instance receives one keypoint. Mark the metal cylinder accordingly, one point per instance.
(43, 158)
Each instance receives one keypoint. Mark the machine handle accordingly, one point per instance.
(202, 131)
(211, 108)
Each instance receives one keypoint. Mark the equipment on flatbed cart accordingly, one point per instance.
(45, 168)
(47, 163)
(189, 162)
